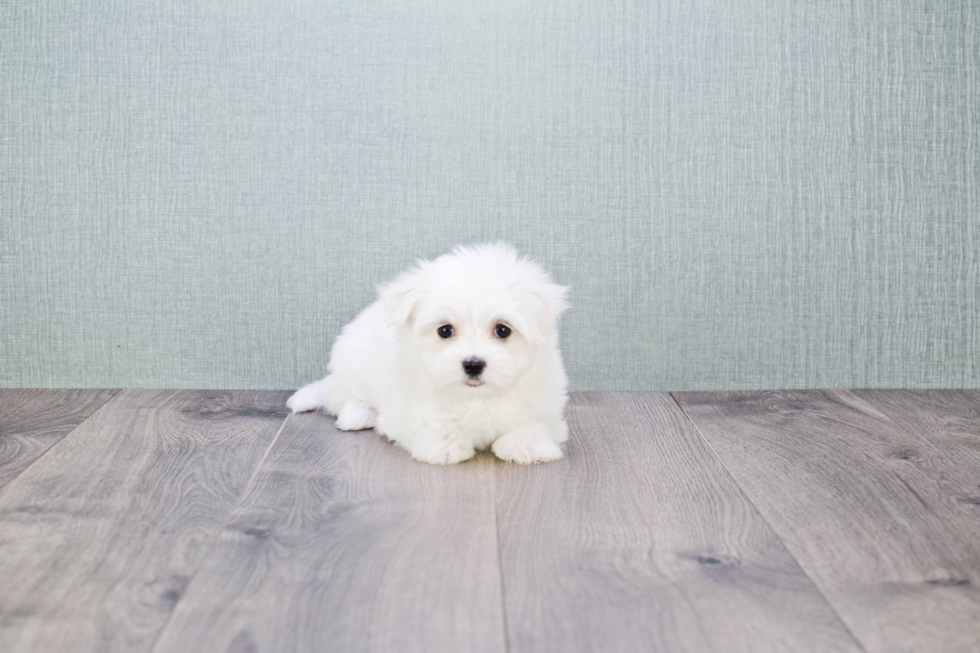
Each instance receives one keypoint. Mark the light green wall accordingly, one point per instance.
(741, 194)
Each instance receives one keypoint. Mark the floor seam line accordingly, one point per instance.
(217, 536)
(775, 533)
(500, 560)
(44, 453)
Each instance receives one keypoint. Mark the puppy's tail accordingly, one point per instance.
(309, 397)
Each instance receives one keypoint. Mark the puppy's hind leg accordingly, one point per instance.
(309, 397)
(355, 415)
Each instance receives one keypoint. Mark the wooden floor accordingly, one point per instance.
(764, 521)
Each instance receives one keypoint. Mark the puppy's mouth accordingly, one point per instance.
(474, 383)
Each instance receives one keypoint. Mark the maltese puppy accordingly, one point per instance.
(456, 354)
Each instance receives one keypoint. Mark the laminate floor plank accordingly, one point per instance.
(872, 510)
(100, 537)
(344, 543)
(639, 540)
(32, 421)
(947, 421)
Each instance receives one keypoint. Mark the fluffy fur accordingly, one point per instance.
(391, 370)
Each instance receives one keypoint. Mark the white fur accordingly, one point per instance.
(390, 370)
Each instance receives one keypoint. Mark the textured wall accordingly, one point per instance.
(742, 194)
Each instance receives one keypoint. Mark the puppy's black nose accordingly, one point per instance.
(474, 366)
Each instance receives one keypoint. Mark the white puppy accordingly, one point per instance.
(457, 354)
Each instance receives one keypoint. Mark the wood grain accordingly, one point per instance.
(99, 538)
(946, 421)
(344, 543)
(32, 421)
(872, 511)
(640, 541)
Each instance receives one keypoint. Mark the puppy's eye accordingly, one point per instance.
(446, 331)
(502, 331)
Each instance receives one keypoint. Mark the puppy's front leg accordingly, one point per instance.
(530, 442)
(439, 444)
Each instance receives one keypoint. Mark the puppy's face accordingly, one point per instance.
(471, 339)
(475, 318)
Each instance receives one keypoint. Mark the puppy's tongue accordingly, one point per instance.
(474, 382)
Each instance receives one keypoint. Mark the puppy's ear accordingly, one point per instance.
(549, 301)
(401, 296)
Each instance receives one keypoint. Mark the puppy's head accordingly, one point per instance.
(476, 317)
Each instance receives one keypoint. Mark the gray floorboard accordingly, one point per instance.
(32, 421)
(948, 423)
(99, 538)
(870, 506)
(344, 543)
(798, 521)
(639, 540)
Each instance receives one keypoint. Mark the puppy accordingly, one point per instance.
(456, 354)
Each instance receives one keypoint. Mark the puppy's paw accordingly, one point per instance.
(527, 444)
(306, 398)
(354, 416)
(441, 449)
